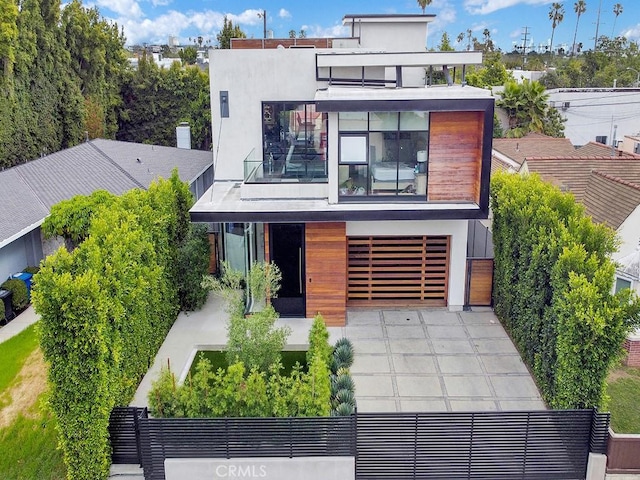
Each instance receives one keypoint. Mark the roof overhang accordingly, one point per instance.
(223, 203)
(441, 97)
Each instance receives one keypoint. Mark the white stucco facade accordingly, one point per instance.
(597, 112)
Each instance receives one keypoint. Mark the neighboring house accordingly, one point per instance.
(341, 164)
(30, 189)
(630, 144)
(602, 115)
(605, 181)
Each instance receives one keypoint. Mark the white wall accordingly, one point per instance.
(392, 36)
(594, 112)
(26, 251)
(629, 235)
(456, 229)
(251, 77)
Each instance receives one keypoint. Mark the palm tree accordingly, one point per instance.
(423, 4)
(579, 7)
(617, 10)
(556, 15)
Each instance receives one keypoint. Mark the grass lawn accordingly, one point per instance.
(28, 437)
(623, 386)
(218, 360)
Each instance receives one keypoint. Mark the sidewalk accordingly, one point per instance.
(18, 324)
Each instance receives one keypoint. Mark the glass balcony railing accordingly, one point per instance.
(297, 165)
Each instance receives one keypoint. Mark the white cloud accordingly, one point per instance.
(124, 8)
(632, 33)
(483, 7)
(284, 13)
(248, 17)
(160, 3)
(317, 31)
(516, 33)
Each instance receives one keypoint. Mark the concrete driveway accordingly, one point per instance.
(436, 360)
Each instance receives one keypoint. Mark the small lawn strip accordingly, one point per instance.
(624, 391)
(218, 360)
(13, 354)
(29, 448)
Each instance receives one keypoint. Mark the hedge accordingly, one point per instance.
(106, 305)
(552, 289)
(20, 297)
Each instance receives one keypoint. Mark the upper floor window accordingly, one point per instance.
(294, 141)
(383, 153)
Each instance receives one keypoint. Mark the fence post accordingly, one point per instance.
(599, 437)
(137, 413)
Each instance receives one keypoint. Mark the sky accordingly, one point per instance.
(153, 21)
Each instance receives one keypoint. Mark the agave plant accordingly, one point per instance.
(345, 396)
(343, 341)
(343, 355)
(343, 410)
(344, 382)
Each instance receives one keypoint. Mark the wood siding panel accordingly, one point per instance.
(455, 156)
(398, 270)
(480, 282)
(326, 267)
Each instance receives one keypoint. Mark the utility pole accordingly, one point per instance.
(263, 14)
(595, 43)
(525, 36)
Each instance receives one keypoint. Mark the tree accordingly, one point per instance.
(617, 10)
(445, 44)
(492, 73)
(228, 32)
(189, 55)
(527, 107)
(423, 4)
(8, 37)
(155, 100)
(579, 7)
(292, 33)
(556, 15)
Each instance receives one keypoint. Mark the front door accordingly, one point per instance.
(286, 242)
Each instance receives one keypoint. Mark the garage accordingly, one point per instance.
(398, 271)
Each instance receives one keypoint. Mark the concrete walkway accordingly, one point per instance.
(18, 324)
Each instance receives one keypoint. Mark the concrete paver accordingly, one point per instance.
(440, 361)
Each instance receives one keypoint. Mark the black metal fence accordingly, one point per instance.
(479, 445)
(482, 445)
(242, 437)
(124, 433)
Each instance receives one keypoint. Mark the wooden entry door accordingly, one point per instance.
(286, 244)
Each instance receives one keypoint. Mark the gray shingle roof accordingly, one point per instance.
(28, 191)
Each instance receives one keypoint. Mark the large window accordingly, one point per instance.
(294, 141)
(383, 153)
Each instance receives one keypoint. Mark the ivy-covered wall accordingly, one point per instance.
(552, 290)
(106, 303)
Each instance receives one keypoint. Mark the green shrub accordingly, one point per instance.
(254, 340)
(31, 270)
(193, 264)
(18, 288)
(553, 278)
(105, 308)
(319, 341)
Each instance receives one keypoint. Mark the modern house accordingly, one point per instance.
(30, 190)
(342, 161)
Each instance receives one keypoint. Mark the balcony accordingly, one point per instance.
(297, 163)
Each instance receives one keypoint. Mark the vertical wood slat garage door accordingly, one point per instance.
(398, 270)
